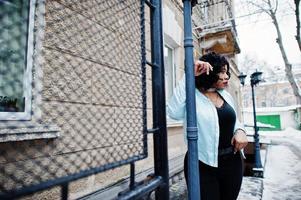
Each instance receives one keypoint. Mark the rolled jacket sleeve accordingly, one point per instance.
(239, 125)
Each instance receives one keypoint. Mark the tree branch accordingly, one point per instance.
(260, 7)
(297, 13)
(276, 7)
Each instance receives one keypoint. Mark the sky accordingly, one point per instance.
(257, 38)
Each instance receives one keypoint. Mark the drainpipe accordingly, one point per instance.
(192, 131)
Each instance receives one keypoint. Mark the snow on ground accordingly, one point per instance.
(251, 188)
(282, 176)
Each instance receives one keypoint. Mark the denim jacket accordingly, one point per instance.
(207, 120)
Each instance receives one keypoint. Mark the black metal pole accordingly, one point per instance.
(159, 111)
(64, 191)
(257, 168)
(132, 176)
(192, 131)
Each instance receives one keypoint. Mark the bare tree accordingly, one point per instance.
(270, 8)
(249, 64)
(297, 14)
(273, 96)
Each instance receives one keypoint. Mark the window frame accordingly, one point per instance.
(27, 79)
(172, 122)
(173, 69)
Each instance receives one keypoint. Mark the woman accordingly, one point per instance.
(220, 135)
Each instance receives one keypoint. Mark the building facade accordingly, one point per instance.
(71, 89)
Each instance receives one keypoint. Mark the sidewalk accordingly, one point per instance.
(282, 171)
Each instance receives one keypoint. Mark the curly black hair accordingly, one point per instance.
(218, 62)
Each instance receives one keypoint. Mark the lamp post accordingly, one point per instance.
(242, 78)
(257, 168)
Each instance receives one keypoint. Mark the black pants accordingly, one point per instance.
(222, 183)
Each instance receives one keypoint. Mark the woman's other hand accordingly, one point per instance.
(201, 67)
(239, 140)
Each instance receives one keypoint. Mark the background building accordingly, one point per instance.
(275, 91)
(276, 104)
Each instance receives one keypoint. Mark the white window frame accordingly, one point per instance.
(27, 80)
(172, 122)
(173, 69)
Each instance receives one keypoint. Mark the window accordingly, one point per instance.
(285, 91)
(169, 71)
(16, 36)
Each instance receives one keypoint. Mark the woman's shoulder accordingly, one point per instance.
(200, 95)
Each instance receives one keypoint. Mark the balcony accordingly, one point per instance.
(222, 39)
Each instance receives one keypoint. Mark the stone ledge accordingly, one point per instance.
(29, 132)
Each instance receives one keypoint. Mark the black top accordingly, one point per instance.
(226, 120)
